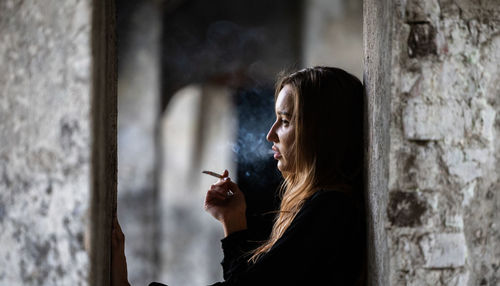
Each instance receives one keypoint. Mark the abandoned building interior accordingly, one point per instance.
(119, 105)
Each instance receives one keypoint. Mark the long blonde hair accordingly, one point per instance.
(327, 117)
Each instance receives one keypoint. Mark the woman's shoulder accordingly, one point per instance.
(330, 195)
(332, 202)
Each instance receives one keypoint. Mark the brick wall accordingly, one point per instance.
(443, 214)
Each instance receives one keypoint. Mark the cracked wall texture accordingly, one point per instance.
(443, 214)
(44, 141)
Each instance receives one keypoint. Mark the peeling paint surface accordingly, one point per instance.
(44, 141)
(445, 144)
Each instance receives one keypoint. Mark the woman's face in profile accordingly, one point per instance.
(282, 133)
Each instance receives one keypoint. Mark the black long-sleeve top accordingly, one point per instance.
(324, 245)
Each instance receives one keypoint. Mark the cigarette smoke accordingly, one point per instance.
(258, 175)
(255, 116)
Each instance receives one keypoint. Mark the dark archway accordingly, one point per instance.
(377, 42)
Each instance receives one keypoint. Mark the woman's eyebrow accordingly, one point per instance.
(284, 113)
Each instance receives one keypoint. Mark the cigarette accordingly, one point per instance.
(229, 193)
(213, 174)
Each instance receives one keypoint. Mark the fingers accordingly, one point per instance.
(225, 175)
(226, 189)
(117, 236)
(117, 241)
(217, 194)
(228, 185)
(226, 181)
(232, 185)
(222, 190)
(116, 224)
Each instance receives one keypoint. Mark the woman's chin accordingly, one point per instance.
(282, 167)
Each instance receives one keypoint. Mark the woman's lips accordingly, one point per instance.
(277, 154)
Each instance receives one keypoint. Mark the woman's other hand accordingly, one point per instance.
(226, 203)
(119, 276)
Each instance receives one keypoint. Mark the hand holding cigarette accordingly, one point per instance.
(226, 203)
(229, 192)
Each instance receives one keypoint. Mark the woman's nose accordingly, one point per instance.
(271, 135)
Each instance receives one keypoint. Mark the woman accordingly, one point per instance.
(318, 237)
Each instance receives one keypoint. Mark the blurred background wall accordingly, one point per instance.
(332, 33)
(139, 33)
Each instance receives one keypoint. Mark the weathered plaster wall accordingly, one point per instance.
(444, 202)
(44, 141)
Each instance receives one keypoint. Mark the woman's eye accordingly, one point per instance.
(285, 122)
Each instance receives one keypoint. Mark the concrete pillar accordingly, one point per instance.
(45, 142)
(377, 34)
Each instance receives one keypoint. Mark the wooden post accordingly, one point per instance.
(104, 156)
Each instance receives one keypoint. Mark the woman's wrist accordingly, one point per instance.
(234, 223)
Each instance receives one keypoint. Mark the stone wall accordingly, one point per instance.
(44, 142)
(443, 210)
